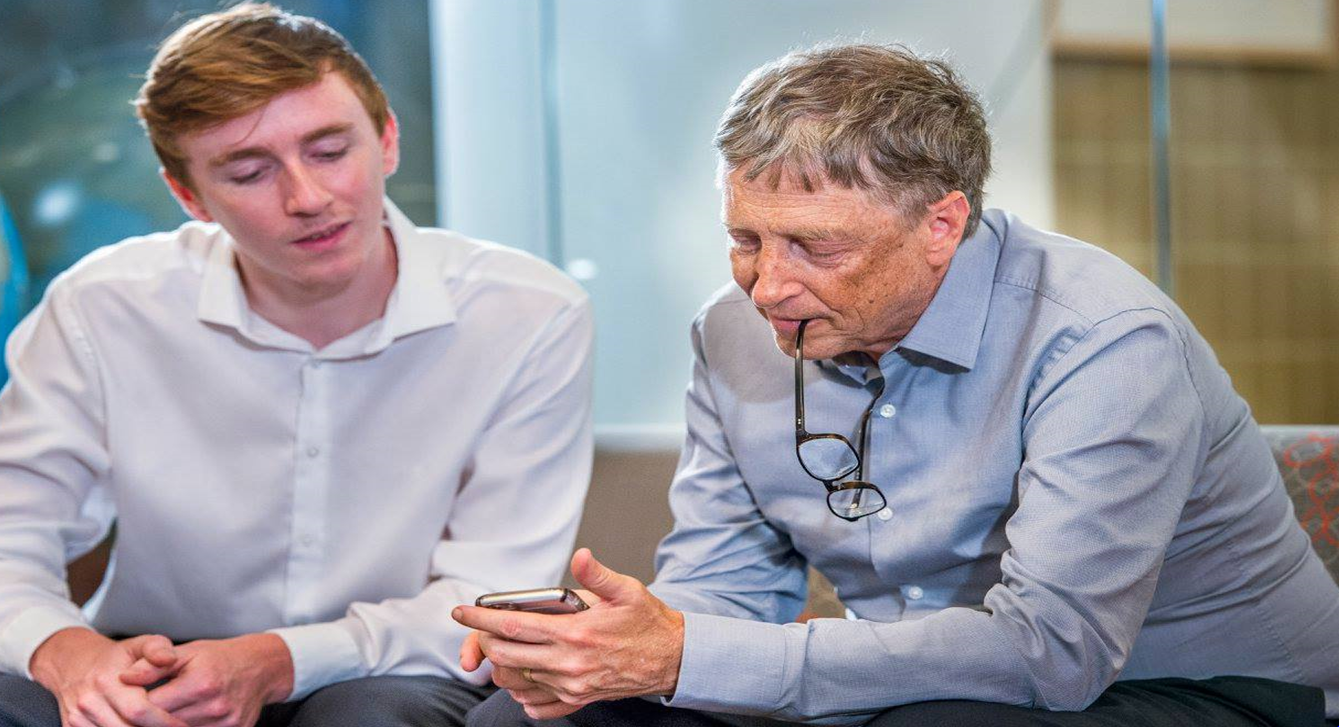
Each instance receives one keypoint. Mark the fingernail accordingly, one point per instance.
(455, 613)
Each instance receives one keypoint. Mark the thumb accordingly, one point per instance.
(159, 651)
(601, 580)
(154, 649)
(144, 674)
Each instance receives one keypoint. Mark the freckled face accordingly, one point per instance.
(298, 184)
(839, 257)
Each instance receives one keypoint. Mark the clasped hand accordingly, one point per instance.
(628, 644)
(147, 682)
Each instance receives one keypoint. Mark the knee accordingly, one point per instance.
(25, 703)
(391, 701)
(954, 712)
(499, 710)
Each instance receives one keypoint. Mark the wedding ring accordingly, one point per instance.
(525, 673)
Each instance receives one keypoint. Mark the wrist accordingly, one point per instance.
(272, 658)
(670, 679)
(49, 658)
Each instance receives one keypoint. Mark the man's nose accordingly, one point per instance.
(774, 277)
(304, 195)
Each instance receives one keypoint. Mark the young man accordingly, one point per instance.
(317, 427)
(1015, 458)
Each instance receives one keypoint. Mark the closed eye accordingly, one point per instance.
(247, 176)
(744, 243)
(332, 154)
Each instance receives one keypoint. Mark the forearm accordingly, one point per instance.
(831, 671)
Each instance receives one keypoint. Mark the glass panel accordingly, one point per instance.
(74, 164)
(639, 89)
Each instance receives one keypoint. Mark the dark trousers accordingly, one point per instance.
(1218, 702)
(392, 701)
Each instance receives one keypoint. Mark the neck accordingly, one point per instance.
(321, 315)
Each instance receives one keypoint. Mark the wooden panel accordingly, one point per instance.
(1255, 211)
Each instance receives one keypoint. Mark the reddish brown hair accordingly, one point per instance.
(228, 64)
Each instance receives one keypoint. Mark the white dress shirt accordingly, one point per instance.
(344, 498)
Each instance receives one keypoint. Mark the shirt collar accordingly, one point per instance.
(419, 300)
(952, 325)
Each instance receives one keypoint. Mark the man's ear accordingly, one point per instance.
(947, 219)
(186, 197)
(390, 144)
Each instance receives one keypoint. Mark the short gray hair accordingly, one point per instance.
(872, 117)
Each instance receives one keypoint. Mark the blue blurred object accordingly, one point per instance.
(14, 271)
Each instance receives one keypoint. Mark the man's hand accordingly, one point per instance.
(628, 644)
(82, 668)
(219, 683)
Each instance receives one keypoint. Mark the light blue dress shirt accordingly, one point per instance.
(1075, 495)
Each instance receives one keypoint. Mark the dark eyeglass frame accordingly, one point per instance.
(802, 436)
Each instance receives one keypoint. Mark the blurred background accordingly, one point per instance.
(1188, 137)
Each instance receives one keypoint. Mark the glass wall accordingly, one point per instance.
(75, 167)
(593, 120)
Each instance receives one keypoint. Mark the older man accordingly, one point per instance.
(1023, 469)
(317, 427)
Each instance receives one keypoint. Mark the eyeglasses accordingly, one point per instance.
(830, 457)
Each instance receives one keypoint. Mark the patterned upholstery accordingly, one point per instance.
(1308, 459)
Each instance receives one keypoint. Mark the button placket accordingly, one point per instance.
(310, 492)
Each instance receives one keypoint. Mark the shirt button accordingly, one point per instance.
(914, 593)
(885, 514)
(887, 411)
(313, 451)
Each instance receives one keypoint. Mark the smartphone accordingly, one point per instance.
(536, 600)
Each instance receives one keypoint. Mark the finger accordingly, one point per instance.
(533, 697)
(517, 654)
(552, 710)
(471, 653)
(179, 693)
(155, 649)
(206, 712)
(134, 707)
(601, 580)
(514, 679)
(158, 650)
(96, 709)
(590, 598)
(144, 674)
(535, 628)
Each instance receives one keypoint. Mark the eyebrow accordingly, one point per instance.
(809, 235)
(252, 152)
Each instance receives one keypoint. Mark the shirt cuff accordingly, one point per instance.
(29, 629)
(323, 654)
(730, 665)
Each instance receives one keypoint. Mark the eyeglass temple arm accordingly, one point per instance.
(799, 379)
(864, 432)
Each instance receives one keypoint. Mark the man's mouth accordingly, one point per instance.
(324, 235)
(784, 325)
